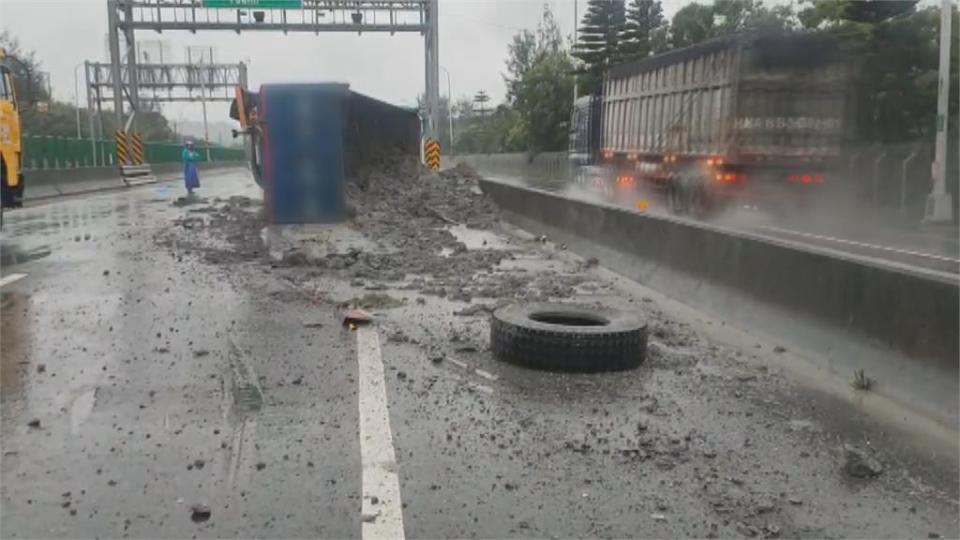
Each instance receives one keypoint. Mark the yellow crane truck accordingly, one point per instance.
(11, 171)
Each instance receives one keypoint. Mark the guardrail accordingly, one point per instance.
(41, 152)
(899, 325)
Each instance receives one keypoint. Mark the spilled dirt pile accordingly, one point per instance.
(409, 212)
(417, 223)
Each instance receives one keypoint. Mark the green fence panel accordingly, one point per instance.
(49, 152)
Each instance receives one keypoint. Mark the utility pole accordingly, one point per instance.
(939, 207)
(114, 38)
(76, 98)
(482, 98)
(575, 23)
(432, 63)
(93, 136)
(449, 107)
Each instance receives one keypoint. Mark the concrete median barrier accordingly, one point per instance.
(899, 324)
(47, 183)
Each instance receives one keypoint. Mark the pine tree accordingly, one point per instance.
(599, 36)
(644, 18)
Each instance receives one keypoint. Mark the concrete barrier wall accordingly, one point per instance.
(58, 182)
(545, 164)
(899, 325)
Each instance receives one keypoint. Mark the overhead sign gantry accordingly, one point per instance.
(127, 16)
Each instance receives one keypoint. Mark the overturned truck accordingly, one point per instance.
(758, 117)
(305, 140)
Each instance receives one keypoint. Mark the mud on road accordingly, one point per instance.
(703, 440)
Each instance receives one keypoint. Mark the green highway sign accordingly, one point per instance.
(253, 4)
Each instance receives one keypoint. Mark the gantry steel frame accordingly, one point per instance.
(127, 16)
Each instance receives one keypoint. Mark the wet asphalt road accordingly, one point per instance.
(162, 381)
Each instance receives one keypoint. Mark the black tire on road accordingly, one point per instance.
(565, 337)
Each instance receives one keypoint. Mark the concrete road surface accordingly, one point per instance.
(162, 376)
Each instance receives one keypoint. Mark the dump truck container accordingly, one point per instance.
(314, 137)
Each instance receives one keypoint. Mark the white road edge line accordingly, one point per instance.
(8, 279)
(383, 520)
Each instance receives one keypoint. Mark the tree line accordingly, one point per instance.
(892, 43)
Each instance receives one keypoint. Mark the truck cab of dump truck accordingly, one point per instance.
(11, 173)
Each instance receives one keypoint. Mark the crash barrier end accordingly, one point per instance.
(431, 153)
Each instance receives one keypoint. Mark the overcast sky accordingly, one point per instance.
(473, 43)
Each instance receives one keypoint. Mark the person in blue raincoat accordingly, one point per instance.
(190, 177)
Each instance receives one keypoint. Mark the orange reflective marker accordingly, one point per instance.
(643, 204)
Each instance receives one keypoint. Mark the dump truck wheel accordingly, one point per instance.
(564, 337)
(675, 200)
(256, 155)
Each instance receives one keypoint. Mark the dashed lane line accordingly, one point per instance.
(381, 509)
(10, 278)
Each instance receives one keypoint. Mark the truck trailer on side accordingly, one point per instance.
(756, 118)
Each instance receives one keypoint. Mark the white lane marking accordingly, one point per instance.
(383, 519)
(862, 244)
(10, 278)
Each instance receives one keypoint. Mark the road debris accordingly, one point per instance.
(356, 317)
(200, 513)
(858, 463)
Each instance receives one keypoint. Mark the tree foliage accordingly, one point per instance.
(29, 80)
(59, 118)
(698, 22)
(521, 53)
(545, 100)
(597, 47)
(644, 31)
(896, 48)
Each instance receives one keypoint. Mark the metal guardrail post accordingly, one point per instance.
(903, 180)
(876, 176)
(852, 167)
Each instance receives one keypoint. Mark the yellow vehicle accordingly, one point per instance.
(11, 173)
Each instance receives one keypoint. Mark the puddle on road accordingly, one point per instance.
(476, 238)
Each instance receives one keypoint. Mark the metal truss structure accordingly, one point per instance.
(315, 16)
(127, 16)
(170, 82)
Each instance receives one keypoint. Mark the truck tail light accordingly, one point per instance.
(729, 177)
(805, 178)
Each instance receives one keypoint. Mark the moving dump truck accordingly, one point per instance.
(11, 174)
(757, 118)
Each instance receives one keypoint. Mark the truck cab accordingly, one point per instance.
(11, 173)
